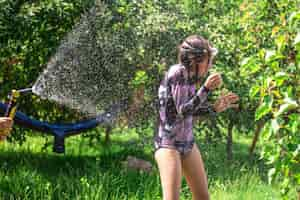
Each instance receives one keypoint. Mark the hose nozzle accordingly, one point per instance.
(12, 101)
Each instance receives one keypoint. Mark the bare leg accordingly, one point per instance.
(169, 165)
(194, 172)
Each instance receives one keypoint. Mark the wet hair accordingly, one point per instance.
(194, 49)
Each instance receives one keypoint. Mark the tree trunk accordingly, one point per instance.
(107, 134)
(218, 132)
(229, 141)
(207, 137)
(256, 135)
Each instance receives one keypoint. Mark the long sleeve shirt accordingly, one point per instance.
(179, 102)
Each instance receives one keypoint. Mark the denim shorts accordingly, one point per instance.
(183, 147)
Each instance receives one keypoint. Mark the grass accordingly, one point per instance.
(94, 171)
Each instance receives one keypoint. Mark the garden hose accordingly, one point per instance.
(12, 102)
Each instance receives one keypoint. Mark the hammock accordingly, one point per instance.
(62, 130)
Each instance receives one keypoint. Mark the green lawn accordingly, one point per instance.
(94, 171)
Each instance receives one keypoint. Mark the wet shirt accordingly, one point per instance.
(178, 103)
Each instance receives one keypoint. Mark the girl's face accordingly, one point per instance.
(203, 67)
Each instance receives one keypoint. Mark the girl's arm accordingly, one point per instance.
(186, 105)
(204, 109)
(194, 105)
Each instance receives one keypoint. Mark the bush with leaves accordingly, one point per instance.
(272, 41)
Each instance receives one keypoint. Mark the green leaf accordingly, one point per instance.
(297, 177)
(266, 131)
(245, 61)
(249, 65)
(275, 126)
(271, 174)
(262, 110)
(294, 117)
(280, 77)
(140, 78)
(288, 105)
(272, 159)
(269, 54)
(254, 90)
(297, 39)
(280, 42)
(272, 55)
(297, 151)
(294, 122)
(294, 16)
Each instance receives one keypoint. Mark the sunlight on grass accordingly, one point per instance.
(93, 170)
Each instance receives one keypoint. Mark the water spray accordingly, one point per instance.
(59, 130)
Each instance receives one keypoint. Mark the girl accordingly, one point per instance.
(175, 150)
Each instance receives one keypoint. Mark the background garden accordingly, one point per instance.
(252, 152)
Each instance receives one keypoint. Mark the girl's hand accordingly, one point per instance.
(213, 81)
(226, 101)
(5, 132)
(5, 127)
(5, 123)
(2, 137)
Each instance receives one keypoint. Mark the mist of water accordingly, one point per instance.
(86, 71)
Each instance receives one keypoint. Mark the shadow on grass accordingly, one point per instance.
(68, 173)
(50, 164)
(68, 169)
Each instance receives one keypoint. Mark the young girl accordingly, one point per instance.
(176, 152)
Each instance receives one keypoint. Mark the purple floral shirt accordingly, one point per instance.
(178, 103)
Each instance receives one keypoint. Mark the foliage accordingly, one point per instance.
(259, 54)
(273, 62)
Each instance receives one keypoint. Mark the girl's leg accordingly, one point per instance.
(194, 172)
(169, 164)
